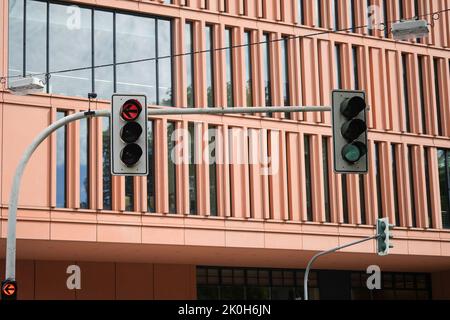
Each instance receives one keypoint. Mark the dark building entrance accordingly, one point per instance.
(334, 285)
(227, 283)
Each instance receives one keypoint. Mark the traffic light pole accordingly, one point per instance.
(314, 258)
(14, 195)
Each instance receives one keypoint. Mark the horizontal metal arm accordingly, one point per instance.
(179, 111)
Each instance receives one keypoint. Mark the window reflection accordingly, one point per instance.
(326, 170)
(36, 38)
(210, 65)
(285, 74)
(129, 193)
(248, 68)
(84, 163)
(151, 201)
(308, 177)
(83, 38)
(189, 60)
(171, 168)
(106, 155)
(15, 36)
(192, 169)
(229, 67)
(66, 35)
(61, 138)
(212, 131)
(104, 54)
(267, 66)
(444, 185)
(135, 40)
(164, 63)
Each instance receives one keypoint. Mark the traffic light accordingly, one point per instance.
(129, 135)
(8, 290)
(349, 131)
(384, 236)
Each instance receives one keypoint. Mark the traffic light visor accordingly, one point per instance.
(354, 151)
(130, 132)
(131, 154)
(351, 107)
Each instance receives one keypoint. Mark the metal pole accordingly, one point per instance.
(305, 284)
(14, 196)
(179, 111)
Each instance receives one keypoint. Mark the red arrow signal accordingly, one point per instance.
(8, 289)
(130, 110)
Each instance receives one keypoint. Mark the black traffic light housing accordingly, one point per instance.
(349, 131)
(8, 290)
(384, 236)
(129, 135)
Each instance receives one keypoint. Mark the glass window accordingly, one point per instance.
(401, 9)
(344, 198)
(285, 74)
(229, 66)
(81, 38)
(230, 164)
(406, 91)
(104, 54)
(335, 13)
(129, 193)
(106, 155)
(395, 182)
(248, 68)
(212, 131)
(252, 284)
(151, 196)
(301, 12)
(192, 169)
(267, 72)
(70, 27)
(378, 157)
(318, 13)
(164, 62)
(210, 65)
(189, 60)
(385, 19)
(326, 183)
(355, 57)
(61, 164)
(437, 94)
(412, 186)
(308, 178)
(135, 39)
(421, 65)
(427, 185)
(370, 13)
(36, 38)
(444, 185)
(362, 199)
(337, 49)
(171, 167)
(352, 8)
(84, 163)
(15, 36)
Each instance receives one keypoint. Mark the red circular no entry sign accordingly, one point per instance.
(130, 110)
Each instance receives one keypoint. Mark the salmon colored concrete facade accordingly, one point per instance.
(266, 224)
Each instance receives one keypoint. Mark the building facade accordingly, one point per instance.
(244, 226)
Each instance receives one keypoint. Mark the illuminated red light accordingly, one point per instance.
(130, 110)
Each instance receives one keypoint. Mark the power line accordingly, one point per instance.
(435, 15)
